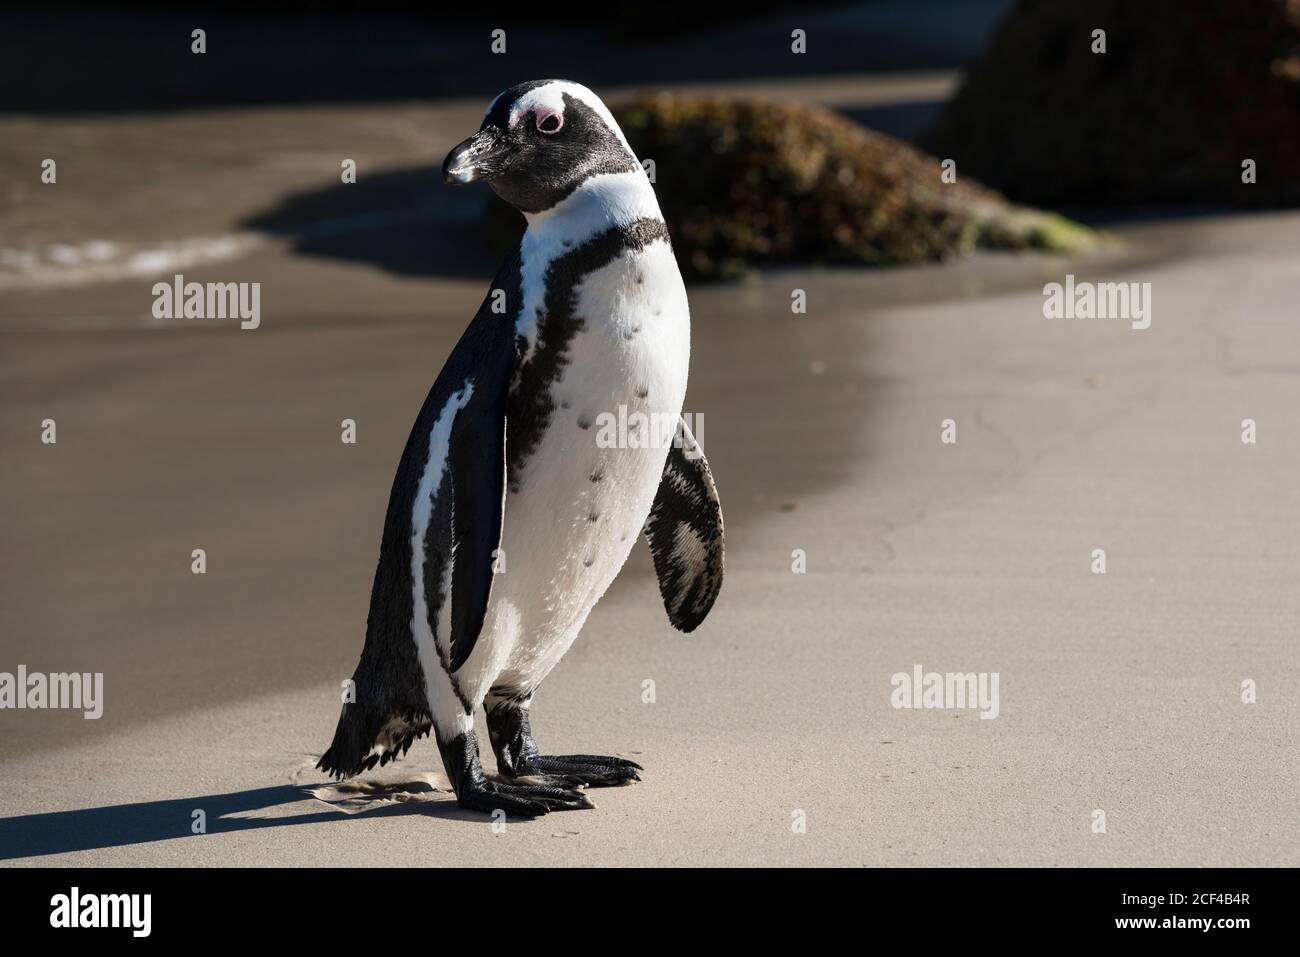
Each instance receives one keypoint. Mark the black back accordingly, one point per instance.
(389, 679)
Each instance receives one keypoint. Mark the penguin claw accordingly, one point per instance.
(597, 759)
(555, 799)
(522, 800)
(587, 770)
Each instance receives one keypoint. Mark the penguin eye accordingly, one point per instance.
(549, 123)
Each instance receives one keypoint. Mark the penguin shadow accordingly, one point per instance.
(147, 822)
(405, 221)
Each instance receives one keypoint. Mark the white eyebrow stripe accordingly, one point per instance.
(551, 96)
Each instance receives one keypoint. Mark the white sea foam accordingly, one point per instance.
(98, 260)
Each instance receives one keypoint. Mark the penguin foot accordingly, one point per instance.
(476, 792)
(570, 770)
(524, 800)
(519, 762)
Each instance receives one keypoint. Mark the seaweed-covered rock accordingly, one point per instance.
(747, 182)
(1185, 92)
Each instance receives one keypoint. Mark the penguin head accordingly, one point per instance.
(539, 142)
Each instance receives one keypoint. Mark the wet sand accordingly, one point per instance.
(1118, 692)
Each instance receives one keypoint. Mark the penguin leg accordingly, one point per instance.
(519, 760)
(474, 791)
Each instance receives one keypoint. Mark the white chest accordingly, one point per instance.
(585, 492)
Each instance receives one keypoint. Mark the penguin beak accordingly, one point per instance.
(482, 156)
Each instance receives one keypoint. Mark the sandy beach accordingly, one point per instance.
(1157, 698)
(1119, 692)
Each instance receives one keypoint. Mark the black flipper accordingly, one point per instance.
(476, 462)
(390, 706)
(685, 534)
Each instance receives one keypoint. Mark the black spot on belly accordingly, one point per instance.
(642, 391)
(531, 406)
(597, 474)
(584, 422)
(593, 516)
(588, 561)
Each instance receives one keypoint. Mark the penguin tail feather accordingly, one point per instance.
(364, 739)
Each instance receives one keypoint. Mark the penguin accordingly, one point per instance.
(508, 517)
